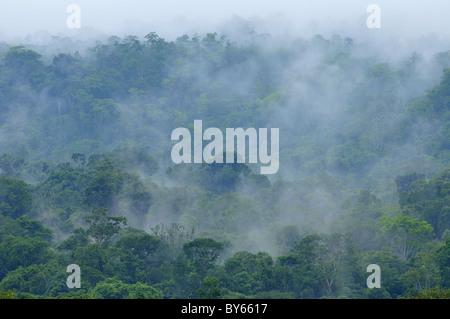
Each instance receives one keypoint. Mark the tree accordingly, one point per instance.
(143, 291)
(112, 288)
(211, 289)
(392, 267)
(103, 112)
(134, 195)
(79, 157)
(37, 280)
(203, 252)
(66, 65)
(136, 159)
(405, 235)
(424, 273)
(93, 262)
(141, 246)
(18, 252)
(295, 276)
(360, 220)
(23, 227)
(443, 262)
(11, 166)
(174, 236)
(15, 197)
(105, 183)
(249, 273)
(432, 293)
(79, 238)
(405, 181)
(438, 97)
(24, 66)
(286, 237)
(326, 255)
(429, 200)
(6, 295)
(102, 227)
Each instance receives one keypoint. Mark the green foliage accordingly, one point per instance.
(433, 293)
(85, 151)
(286, 237)
(18, 251)
(15, 197)
(429, 200)
(211, 289)
(79, 238)
(224, 178)
(404, 182)
(392, 268)
(6, 295)
(11, 166)
(24, 66)
(74, 294)
(405, 235)
(443, 262)
(424, 273)
(102, 227)
(360, 219)
(105, 185)
(324, 256)
(92, 259)
(203, 252)
(248, 273)
(115, 289)
(379, 293)
(23, 227)
(143, 291)
(136, 159)
(138, 254)
(39, 279)
(173, 236)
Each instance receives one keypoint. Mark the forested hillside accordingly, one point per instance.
(86, 175)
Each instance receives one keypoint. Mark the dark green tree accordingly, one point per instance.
(101, 227)
(210, 289)
(141, 247)
(15, 197)
(11, 166)
(202, 252)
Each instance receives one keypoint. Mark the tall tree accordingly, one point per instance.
(203, 252)
(15, 197)
(406, 235)
(102, 227)
(326, 255)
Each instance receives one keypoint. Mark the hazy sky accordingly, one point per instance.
(411, 18)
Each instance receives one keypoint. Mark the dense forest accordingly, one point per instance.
(86, 176)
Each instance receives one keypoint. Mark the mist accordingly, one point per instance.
(86, 114)
(403, 19)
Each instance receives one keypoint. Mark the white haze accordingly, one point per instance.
(169, 18)
(406, 26)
